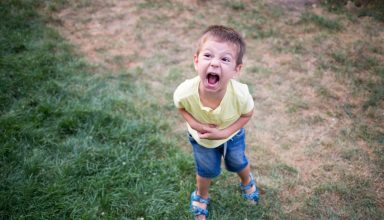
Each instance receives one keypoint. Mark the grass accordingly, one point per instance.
(321, 21)
(353, 189)
(83, 145)
(374, 9)
(76, 145)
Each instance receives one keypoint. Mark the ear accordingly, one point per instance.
(237, 70)
(195, 60)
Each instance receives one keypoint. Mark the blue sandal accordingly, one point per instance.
(253, 196)
(195, 209)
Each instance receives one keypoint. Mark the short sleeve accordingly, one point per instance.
(245, 98)
(183, 92)
(248, 104)
(177, 97)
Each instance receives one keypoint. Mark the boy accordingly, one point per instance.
(216, 107)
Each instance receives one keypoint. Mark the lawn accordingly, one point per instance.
(88, 129)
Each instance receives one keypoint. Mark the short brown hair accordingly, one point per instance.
(226, 34)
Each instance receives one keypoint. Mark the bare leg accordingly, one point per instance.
(203, 186)
(202, 190)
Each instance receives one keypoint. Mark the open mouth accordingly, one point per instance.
(213, 78)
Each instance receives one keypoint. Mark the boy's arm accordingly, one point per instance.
(213, 133)
(196, 125)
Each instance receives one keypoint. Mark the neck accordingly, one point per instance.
(211, 99)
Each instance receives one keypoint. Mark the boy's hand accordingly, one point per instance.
(211, 132)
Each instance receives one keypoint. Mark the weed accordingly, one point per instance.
(320, 21)
(377, 91)
(324, 92)
(334, 5)
(237, 5)
(313, 120)
(284, 170)
(296, 105)
(257, 69)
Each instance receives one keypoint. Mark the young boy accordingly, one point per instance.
(216, 107)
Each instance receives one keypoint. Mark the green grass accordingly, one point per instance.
(373, 8)
(236, 5)
(321, 21)
(81, 146)
(75, 145)
(353, 192)
(356, 60)
(257, 25)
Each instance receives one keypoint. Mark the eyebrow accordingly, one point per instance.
(225, 52)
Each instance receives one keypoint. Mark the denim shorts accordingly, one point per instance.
(208, 160)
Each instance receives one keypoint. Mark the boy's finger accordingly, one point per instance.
(204, 136)
(206, 129)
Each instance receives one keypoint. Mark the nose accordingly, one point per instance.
(215, 62)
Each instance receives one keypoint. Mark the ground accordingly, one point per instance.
(309, 128)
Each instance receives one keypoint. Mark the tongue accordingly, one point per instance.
(212, 79)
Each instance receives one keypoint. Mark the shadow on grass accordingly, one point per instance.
(80, 146)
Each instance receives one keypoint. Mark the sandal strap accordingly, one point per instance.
(252, 196)
(196, 210)
(249, 185)
(199, 211)
(197, 198)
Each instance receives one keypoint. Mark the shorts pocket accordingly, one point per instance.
(190, 138)
(240, 133)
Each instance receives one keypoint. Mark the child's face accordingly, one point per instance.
(216, 65)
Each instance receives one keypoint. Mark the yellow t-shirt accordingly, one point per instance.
(236, 102)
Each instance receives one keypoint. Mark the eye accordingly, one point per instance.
(207, 55)
(226, 59)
